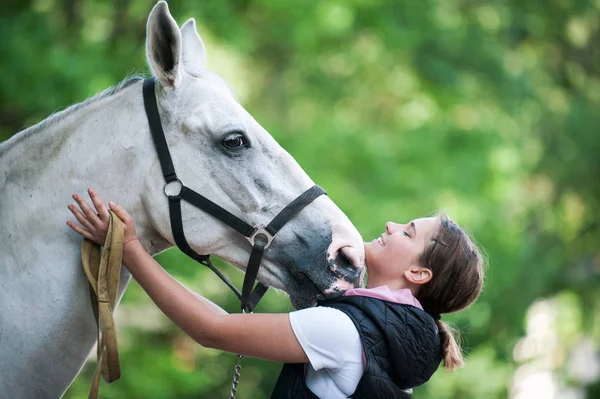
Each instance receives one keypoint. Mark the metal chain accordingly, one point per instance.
(236, 376)
(237, 371)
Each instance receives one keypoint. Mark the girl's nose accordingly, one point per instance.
(390, 227)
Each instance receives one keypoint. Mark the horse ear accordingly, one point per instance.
(194, 54)
(163, 45)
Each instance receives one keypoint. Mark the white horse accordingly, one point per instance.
(46, 325)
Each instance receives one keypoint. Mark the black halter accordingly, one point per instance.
(259, 236)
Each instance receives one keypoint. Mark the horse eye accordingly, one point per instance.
(234, 141)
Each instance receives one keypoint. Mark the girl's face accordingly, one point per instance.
(398, 249)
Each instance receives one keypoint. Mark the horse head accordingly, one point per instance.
(223, 153)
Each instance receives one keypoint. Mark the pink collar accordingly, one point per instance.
(403, 296)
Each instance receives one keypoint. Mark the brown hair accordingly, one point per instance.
(457, 267)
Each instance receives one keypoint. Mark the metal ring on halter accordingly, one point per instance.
(176, 181)
(260, 229)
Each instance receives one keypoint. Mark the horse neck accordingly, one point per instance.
(103, 143)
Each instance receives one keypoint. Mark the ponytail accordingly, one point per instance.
(452, 354)
(457, 266)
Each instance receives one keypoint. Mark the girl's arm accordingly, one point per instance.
(265, 336)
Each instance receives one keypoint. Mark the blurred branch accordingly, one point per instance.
(121, 20)
(72, 12)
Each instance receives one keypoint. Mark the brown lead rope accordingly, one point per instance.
(103, 270)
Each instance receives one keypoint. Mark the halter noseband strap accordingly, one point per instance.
(259, 236)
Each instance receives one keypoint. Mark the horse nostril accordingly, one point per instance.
(341, 261)
(355, 256)
(349, 264)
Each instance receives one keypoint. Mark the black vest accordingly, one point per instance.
(401, 345)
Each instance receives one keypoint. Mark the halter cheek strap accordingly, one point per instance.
(259, 236)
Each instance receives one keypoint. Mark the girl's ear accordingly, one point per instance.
(418, 275)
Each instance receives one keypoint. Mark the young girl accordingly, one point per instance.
(373, 342)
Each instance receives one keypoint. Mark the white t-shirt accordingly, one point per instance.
(333, 347)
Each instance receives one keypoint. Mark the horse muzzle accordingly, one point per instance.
(313, 270)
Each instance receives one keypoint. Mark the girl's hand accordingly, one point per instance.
(94, 225)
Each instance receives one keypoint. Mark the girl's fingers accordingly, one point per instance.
(87, 211)
(120, 211)
(99, 205)
(81, 218)
(80, 230)
(126, 219)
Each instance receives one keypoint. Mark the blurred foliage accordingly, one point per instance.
(488, 110)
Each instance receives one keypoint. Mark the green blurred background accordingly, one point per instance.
(488, 110)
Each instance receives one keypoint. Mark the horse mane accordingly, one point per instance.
(56, 117)
(60, 115)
